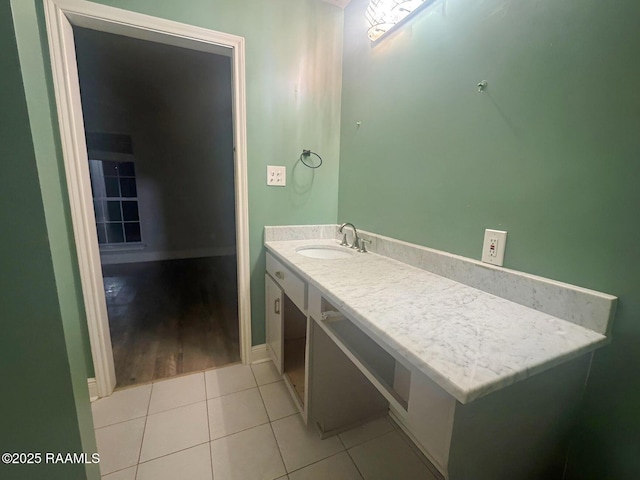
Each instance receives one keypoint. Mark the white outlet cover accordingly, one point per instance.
(276, 176)
(493, 246)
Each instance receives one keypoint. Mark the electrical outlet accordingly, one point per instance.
(276, 176)
(493, 246)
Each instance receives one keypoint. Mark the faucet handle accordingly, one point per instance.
(363, 246)
(344, 240)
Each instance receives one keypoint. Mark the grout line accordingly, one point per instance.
(175, 408)
(173, 377)
(118, 423)
(144, 429)
(421, 457)
(282, 418)
(255, 379)
(239, 431)
(273, 432)
(346, 450)
(278, 379)
(270, 382)
(355, 464)
(231, 393)
(210, 440)
(171, 453)
(206, 404)
(210, 455)
(105, 399)
(204, 379)
(326, 458)
(344, 447)
(120, 470)
(288, 396)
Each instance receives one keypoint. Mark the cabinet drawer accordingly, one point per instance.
(292, 285)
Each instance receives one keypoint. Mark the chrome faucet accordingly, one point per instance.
(356, 242)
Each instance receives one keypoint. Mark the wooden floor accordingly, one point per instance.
(172, 317)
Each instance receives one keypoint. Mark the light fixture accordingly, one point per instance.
(383, 15)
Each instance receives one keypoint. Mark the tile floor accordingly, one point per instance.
(238, 423)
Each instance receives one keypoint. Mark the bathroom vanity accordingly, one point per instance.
(482, 367)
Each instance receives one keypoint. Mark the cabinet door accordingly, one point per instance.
(274, 324)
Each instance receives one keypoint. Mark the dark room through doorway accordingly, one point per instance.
(159, 130)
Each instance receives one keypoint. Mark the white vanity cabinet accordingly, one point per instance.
(494, 397)
(273, 320)
(286, 328)
(518, 432)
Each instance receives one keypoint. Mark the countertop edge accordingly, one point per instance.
(462, 395)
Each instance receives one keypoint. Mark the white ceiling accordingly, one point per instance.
(340, 3)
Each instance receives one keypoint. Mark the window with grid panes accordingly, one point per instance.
(115, 199)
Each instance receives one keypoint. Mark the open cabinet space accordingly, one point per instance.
(295, 342)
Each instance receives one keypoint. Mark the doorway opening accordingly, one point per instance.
(119, 231)
(159, 133)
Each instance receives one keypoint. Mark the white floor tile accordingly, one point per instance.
(415, 449)
(338, 467)
(126, 474)
(277, 400)
(173, 430)
(265, 372)
(300, 445)
(191, 464)
(233, 413)
(366, 432)
(387, 457)
(223, 381)
(119, 445)
(248, 455)
(121, 406)
(225, 406)
(177, 392)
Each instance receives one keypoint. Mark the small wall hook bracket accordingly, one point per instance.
(482, 86)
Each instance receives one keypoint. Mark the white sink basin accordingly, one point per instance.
(324, 252)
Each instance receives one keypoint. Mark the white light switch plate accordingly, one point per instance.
(493, 246)
(276, 176)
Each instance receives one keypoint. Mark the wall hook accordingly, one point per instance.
(482, 86)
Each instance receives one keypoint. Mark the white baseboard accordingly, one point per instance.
(93, 389)
(259, 354)
(116, 256)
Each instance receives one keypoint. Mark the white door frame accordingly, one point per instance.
(60, 16)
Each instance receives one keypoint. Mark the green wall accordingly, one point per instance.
(549, 153)
(293, 71)
(44, 402)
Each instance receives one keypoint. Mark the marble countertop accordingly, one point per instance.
(468, 341)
